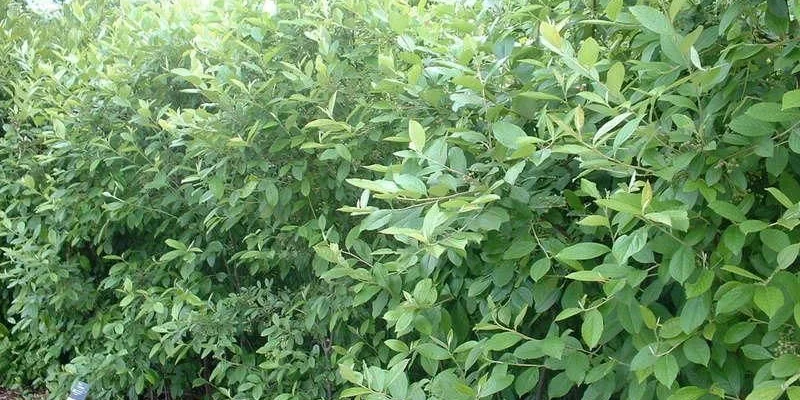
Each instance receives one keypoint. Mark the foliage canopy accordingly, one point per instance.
(402, 200)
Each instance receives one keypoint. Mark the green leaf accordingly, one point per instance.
(425, 292)
(700, 285)
(788, 255)
(786, 365)
(749, 126)
(727, 17)
(469, 81)
(577, 364)
(502, 341)
(735, 299)
(271, 194)
(533, 349)
(741, 272)
(568, 312)
(347, 372)
(775, 239)
(513, 172)
(676, 219)
(175, 244)
(448, 385)
(675, 7)
(621, 206)
(594, 220)
(508, 134)
(416, 133)
(539, 96)
(645, 358)
(682, 264)
(583, 251)
(337, 272)
(671, 47)
(738, 332)
(666, 370)
(752, 225)
(343, 152)
(797, 314)
(396, 345)
(688, 393)
(492, 219)
(694, 313)
(379, 186)
(781, 197)
(400, 232)
(768, 299)
(520, 247)
(496, 383)
(411, 183)
(433, 351)
(586, 276)
(794, 141)
(728, 211)
(171, 255)
(648, 317)
(652, 19)
(477, 287)
(434, 218)
(791, 99)
(769, 390)
(526, 381)
(540, 268)
(354, 391)
(697, 351)
(590, 188)
(608, 126)
(777, 17)
(694, 57)
(756, 352)
(770, 112)
(329, 125)
(592, 328)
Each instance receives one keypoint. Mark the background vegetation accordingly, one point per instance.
(384, 199)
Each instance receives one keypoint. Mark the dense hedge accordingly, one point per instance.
(401, 200)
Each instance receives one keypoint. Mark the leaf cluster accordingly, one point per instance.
(402, 200)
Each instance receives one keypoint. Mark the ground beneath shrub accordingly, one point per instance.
(7, 394)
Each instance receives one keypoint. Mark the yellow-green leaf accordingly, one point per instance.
(416, 134)
(588, 53)
(550, 36)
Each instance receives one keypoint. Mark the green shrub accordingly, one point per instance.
(157, 206)
(382, 200)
